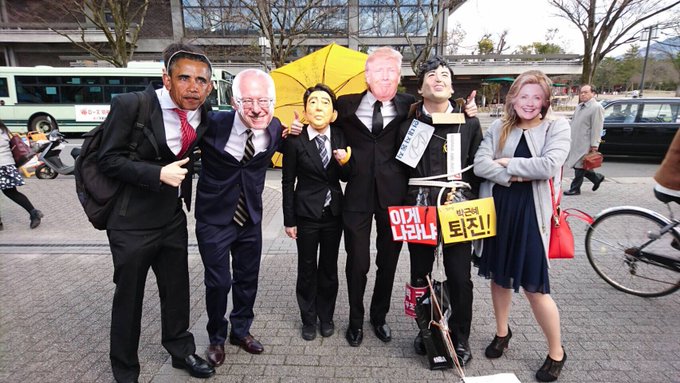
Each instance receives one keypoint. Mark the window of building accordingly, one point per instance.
(230, 18)
(379, 18)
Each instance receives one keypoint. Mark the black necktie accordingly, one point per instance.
(377, 122)
(241, 214)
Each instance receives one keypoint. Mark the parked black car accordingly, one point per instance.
(640, 126)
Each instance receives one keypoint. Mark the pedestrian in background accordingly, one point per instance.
(518, 156)
(312, 208)
(586, 130)
(10, 178)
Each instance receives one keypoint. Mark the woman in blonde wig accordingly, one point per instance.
(517, 157)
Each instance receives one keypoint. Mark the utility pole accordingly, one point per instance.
(648, 34)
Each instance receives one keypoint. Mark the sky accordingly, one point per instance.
(527, 21)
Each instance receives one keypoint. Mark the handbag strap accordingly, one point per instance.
(571, 212)
(555, 203)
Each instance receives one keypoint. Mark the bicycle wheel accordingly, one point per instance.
(627, 228)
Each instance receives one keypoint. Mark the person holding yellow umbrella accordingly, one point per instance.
(312, 208)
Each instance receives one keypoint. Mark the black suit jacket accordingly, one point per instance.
(221, 177)
(302, 162)
(434, 159)
(145, 202)
(373, 164)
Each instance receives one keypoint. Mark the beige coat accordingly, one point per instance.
(668, 174)
(586, 131)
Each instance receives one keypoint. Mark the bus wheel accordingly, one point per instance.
(42, 124)
(44, 172)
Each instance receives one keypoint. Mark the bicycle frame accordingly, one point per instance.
(638, 253)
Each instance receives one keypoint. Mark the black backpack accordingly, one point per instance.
(97, 192)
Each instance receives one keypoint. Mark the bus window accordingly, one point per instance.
(4, 90)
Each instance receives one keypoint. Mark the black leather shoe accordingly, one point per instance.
(418, 344)
(464, 353)
(327, 329)
(36, 215)
(572, 192)
(215, 354)
(597, 184)
(551, 369)
(248, 343)
(498, 345)
(197, 367)
(308, 331)
(354, 336)
(383, 332)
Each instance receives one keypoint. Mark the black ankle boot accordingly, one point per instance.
(498, 345)
(551, 369)
(36, 215)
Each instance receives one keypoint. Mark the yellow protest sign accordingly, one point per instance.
(469, 220)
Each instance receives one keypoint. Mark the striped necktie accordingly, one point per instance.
(241, 214)
(325, 159)
(187, 132)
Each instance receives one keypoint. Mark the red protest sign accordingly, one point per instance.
(415, 224)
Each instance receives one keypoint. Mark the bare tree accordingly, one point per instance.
(288, 23)
(422, 18)
(454, 38)
(502, 43)
(607, 24)
(119, 20)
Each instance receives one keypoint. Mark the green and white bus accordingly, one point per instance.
(78, 99)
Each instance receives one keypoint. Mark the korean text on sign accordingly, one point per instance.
(467, 221)
(415, 224)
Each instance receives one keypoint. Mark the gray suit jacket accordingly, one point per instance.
(586, 130)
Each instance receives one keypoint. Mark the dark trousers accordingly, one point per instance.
(357, 229)
(19, 198)
(317, 281)
(231, 257)
(134, 252)
(579, 174)
(457, 259)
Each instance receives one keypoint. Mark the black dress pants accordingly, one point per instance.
(317, 281)
(457, 262)
(579, 174)
(357, 229)
(163, 250)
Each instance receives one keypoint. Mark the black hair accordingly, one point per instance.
(4, 128)
(176, 51)
(321, 88)
(429, 65)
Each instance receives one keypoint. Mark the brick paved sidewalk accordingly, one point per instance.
(56, 284)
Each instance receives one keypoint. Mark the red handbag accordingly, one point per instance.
(592, 160)
(561, 238)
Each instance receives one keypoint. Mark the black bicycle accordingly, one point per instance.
(636, 250)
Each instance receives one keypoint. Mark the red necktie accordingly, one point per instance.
(188, 133)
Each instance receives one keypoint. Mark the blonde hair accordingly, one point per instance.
(384, 52)
(511, 120)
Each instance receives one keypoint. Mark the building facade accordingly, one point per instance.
(227, 29)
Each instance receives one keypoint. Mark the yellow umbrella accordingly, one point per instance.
(342, 69)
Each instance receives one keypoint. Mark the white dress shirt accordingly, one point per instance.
(365, 111)
(236, 144)
(173, 133)
(312, 135)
